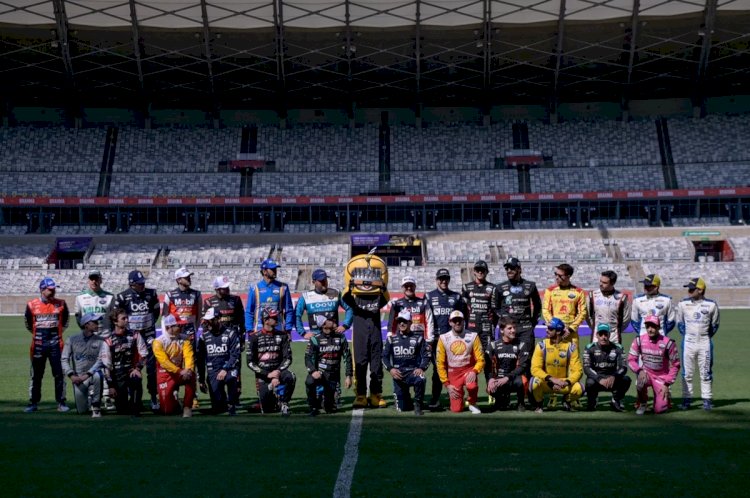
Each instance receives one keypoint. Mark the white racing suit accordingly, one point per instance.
(659, 305)
(697, 321)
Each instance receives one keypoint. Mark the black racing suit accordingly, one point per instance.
(601, 362)
(143, 311)
(216, 352)
(266, 352)
(127, 352)
(421, 316)
(324, 354)
(482, 319)
(520, 300)
(406, 353)
(231, 313)
(367, 341)
(442, 305)
(509, 360)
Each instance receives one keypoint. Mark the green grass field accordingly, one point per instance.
(553, 454)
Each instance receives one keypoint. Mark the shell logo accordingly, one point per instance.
(458, 348)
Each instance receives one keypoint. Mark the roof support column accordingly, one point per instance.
(350, 50)
(418, 64)
(210, 64)
(706, 31)
(558, 62)
(61, 21)
(487, 59)
(278, 21)
(632, 53)
(143, 105)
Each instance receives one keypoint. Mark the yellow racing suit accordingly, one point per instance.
(569, 305)
(561, 360)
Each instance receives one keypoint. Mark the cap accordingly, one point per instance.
(136, 277)
(556, 324)
(512, 262)
(47, 283)
(320, 320)
(171, 320)
(408, 279)
(602, 328)
(652, 279)
(95, 274)
(652, 319)
(269, 264)
(319, 274)
(210, 314)
(443, 273)
(455, 314)
(696, 283)
(270, 313)
(222, 282)
(481, 264)
(404, 315)
(182, 273)
(90, 317)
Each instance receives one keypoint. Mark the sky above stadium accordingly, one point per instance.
(252, 14)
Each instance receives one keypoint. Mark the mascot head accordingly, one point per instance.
(366, 274)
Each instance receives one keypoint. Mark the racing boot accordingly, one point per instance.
(617, 405)
(418, 409)
(360, 401)
(434, 405)
(552, 403)
(377, 401)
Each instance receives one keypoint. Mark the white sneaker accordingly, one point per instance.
(62, 407)
(155, 405)
(187, 412)
(474, 410)
(641, 410)
(96, 413)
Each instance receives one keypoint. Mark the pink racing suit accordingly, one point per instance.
(659, 359)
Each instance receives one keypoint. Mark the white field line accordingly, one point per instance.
(343, 487)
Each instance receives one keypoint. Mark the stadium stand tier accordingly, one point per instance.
(167, 150)
(597, 178)
(445, 148)
(597, 143)
(706, 175)
(715, 138)
(316, 148)
(51, 149)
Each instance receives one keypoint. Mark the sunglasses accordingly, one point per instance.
(560, 275)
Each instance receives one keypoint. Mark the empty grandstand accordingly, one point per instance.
(214, 138)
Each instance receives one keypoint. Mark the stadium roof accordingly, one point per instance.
(221, 54)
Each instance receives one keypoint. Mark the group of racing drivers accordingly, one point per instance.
(454, 333)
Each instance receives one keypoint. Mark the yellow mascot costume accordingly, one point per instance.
(366, 293)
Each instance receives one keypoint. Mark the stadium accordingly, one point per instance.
(216, 134)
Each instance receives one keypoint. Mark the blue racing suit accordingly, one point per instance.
(316, 304)
(406, 353)
(217, 352)
(275, 295)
